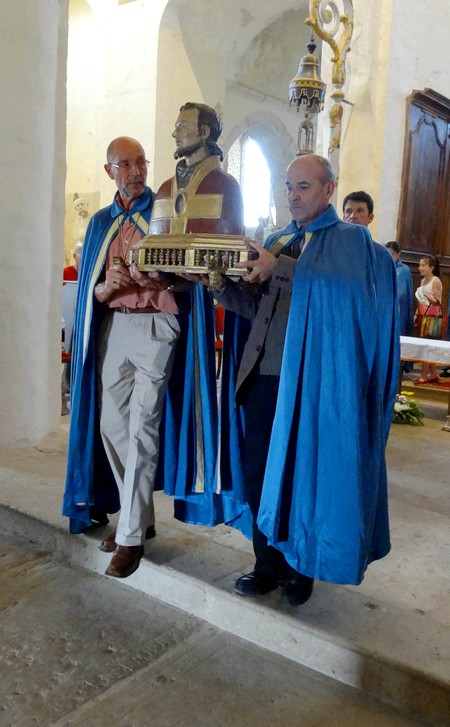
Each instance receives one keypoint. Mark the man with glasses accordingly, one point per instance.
(125, 334)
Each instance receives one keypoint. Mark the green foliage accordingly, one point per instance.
(406, 410)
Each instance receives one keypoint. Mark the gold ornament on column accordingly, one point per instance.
(321, 14)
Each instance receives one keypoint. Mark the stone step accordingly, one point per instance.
(428, 392)
(398, 657)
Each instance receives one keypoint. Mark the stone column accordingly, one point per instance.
(32, 171)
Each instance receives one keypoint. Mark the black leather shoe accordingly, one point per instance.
(254, 584)
(98, 516)
(108, 545)
(125, 561)
(298, 590)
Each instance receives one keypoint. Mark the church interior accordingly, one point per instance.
(82, 72)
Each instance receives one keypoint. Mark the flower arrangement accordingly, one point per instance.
(406, 410)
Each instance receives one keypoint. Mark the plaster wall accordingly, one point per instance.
(364, 127)
(272, 58)
(112, 80)
(33, 39)
(257, 51)
(217, 34)
(250, 91)
(390, 57)
(176, 84)
(419, 58)
(258, 47)
(256, 102)
(84, 75)
(116, 78)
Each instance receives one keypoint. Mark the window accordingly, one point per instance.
(247, 164)
(256, 190)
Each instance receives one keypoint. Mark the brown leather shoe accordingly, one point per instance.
(108, 545)
(125, 561)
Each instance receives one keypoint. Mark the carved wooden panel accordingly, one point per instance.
(424, 218)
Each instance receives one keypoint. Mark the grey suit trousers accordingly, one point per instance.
(135, 357)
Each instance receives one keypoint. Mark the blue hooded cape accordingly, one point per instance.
(200, 453)
(206, 492)
(405, 298)
(324, 499)
(90, 486)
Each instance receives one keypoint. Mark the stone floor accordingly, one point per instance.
(79, 648)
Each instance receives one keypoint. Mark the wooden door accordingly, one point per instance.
(424, 218)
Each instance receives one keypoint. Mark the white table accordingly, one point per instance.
(425, 350)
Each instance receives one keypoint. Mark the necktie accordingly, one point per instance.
(294, 249)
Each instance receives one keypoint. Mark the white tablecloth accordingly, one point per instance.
(425, 350)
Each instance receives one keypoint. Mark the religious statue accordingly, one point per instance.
(81, 207)
(200, 199)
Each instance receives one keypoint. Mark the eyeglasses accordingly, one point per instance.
(126, 165)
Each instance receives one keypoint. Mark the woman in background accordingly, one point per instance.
(429, 295)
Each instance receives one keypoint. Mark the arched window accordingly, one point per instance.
(247, 164)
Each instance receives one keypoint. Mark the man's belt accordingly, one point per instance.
(126, 310)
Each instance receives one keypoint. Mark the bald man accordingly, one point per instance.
(70, 273)
(126, 329)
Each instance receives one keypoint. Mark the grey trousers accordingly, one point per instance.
(135, 357)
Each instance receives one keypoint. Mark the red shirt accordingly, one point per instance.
(70, 273)
(135, 296)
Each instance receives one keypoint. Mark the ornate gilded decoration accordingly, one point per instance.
(335, 142)
(189, 253)
(321, 14)
(307, 88)
(186, 204)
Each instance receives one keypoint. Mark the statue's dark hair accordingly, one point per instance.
(207, 116)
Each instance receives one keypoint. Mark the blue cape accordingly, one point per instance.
(200, 458)
(324, 499)
(405, 298)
